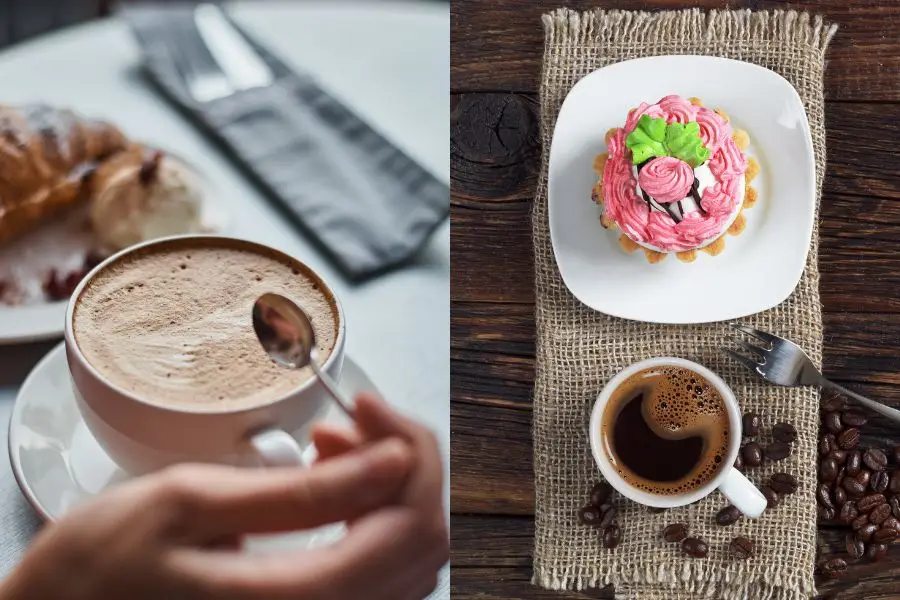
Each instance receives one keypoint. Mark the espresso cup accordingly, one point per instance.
(142, 436)
(731, 482)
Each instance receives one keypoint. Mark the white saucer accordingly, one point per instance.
(58, 464)
(759, 268)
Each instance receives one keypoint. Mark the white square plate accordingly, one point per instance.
(759, 268)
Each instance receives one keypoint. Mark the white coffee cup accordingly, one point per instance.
(731, 482)
(142, 437)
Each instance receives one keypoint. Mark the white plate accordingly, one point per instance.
(58, 464)
(759, 268)
(62, 244)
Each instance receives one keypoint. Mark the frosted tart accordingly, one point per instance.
(675, 179)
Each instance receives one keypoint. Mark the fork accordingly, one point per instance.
(783, 362)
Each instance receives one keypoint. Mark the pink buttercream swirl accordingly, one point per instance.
(666, 179)
(727, 164)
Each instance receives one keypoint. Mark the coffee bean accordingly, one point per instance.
(866, 532)
(823, 495)
(784, 432)
(885, 535)
(874, 459)
(855, 546)
(675, 532)
(590, 515)
(832, 402)
(739, 462)
(825, 514)
(854, 488)
(783, 483)
(609, 515)
(612, 535)
(864, 477)
(854, 418)
(839, 456)
(848, 439)
(876, 552)
(695, 547)
(842, 472)
(826, 445)
(894, 485)
(833, 422)
(751, 423)
(859, 522)
(867, 503)
(728, 516)
(895, 454)
(895, 506)
(880, 514)
(601, 493)
(828, 469)
(752, 454)
(833, 568)
(840, 496)
(771, 497)
(853, 463)
(891, 522)
(848, 512)
(778, 451)
(742, 548)
(879, 482)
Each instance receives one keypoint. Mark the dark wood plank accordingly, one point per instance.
(497, 44)
(495, 157)
(493, 180)
(493, 556)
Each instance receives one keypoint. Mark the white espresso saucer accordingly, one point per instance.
(58, 464)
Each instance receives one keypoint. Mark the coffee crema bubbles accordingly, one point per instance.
(666, 430)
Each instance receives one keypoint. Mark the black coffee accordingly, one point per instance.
(666, 430)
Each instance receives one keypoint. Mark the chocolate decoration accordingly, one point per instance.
(695, 194)
(647, 200)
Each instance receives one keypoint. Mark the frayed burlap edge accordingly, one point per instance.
(566, 560)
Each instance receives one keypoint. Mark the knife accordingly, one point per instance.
(236, 58)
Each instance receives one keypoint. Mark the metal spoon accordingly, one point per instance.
(287, 336)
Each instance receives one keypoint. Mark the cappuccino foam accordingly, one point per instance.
(173, 325)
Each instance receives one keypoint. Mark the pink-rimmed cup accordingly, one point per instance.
(142, 436)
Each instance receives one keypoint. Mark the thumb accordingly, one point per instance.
(225, 501)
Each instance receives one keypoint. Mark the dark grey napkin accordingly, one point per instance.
(369, 205)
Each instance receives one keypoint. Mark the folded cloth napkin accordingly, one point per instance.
(580, 349)
(368, 204)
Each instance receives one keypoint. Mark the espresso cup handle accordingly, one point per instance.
(743, 494)
(277, 448)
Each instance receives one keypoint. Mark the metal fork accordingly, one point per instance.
(783, 362)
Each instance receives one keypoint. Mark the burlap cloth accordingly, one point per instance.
(579, 349)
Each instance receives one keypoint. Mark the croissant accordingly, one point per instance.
(47, 158)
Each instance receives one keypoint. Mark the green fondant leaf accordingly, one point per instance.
(683, 142)
(646, 141)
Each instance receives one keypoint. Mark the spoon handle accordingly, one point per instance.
(329, 384)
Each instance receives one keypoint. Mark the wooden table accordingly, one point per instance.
(497, 48)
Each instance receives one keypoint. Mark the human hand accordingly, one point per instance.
(161, 536)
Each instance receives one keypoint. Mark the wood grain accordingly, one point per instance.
(495, 158)
(497, 44)
(497, 563)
